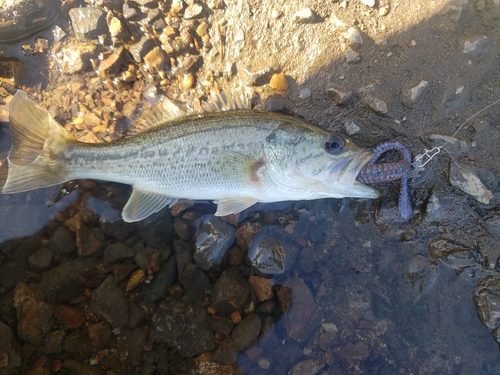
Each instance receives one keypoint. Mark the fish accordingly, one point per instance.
(226, 153)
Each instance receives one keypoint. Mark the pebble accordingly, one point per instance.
(262, 287)
(157, 229)
(40, 260)
(384, 11)
(305, 93)
(487, 300)
(231, 292)
(193, 11)
(62, 283)
(306, 367)
(53, 341)
(353, 354)
(118, 252)
(489, 252)
(278, 82)
(412, 93)
(141, 48)
(453, 144)
(131, 11)
(475, 43)
(245, 334)
(76, 57)
(353, 35)
(351, 127)
(194, 282)
(10, 360)
(226, 353)
(206, 366)
(182, 326)
(270, 252)
(88, 23)
(305, 15)
(155, 59)
(157, 289)
(212, 240)
(452, 254)
(70, 317)
(301, 313)
(370, 3)
(465, 177)
(34, 318)
(108, 303)
(118, 29)
(341, 97)
(110, 65)
(99, 334)
(352, 56)
(136, 344)
(137, 277)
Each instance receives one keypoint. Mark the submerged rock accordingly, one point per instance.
(487, 300)
(213, 238)
(452, 254)
(270, 252)
(466, 178)
(231, 292)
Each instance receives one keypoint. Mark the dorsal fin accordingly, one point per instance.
(165, 110)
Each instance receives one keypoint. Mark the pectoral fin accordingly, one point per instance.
(233, 205)
(142, 204)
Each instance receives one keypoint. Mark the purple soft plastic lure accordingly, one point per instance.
(372, 173)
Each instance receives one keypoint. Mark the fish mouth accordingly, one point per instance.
(351, 167)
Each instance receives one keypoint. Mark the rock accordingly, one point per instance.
(353, 35)
(194, 281)
(305, 93)
(205, 365)
(110, 65)
(141, 48)
(371, 95)
(10, 351)
(489, 252)
(70, 317)
(466, 178)
(212, 240)
(305, 15)
(226, 353)
(270, 252)
(62, 283)
(351, 56)
(453, 145)
(183, 327)
(487, 300)
(118, 29)
(118, 252)
(306, 260)
(301, 313)
(255, 78)
(193, 11)
(99, 334)
(231, 292)
(78, 342)
(412, 93)
(136, 345)
(278, 82)
(245, 334)
(353, 354)
(306, 367)
(62, 241)
(40, 260)
(162, 280)
(452, 254)
(479, 48)
(88, 23)
(262, 287)
(53, 342)
(221, 325)
(155, 59)
(157, 229)
(341, 97)
(137, 278)
(80, 368)
(89, 241)
(108, 303)
(441, 208)
(370, 3)
(34, 318)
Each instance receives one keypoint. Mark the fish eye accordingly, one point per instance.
(334, 145)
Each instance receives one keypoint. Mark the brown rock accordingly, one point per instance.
(278, 82)
(71, 317)
(204, 365)
(108, 303)
(262, 287)
(155, 59)
(245, 233)
(135, 279)
(34, 317)
(245, 334)
(10, 353)
(231, 292)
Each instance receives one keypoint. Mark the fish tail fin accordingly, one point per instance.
(37, 140)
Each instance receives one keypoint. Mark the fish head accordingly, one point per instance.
(312, 162)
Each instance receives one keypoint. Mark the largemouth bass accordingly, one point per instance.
(229, 154)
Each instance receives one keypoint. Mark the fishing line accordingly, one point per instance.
(428, 155)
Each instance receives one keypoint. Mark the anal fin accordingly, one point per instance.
(230, 206)
(142, 204)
